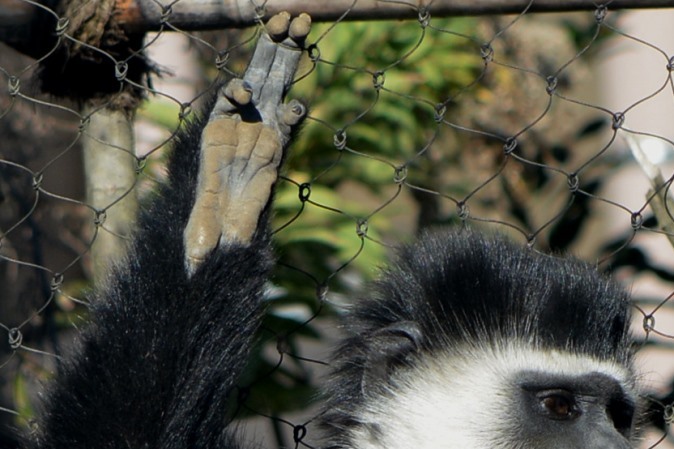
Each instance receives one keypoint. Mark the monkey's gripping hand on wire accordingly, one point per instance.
(243, 142)
(171, 330)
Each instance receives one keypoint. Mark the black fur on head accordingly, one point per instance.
(461, 287)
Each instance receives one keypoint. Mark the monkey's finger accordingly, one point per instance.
(289, 115)
(265, 52)
(299, 29)
(232, 96)
(249, 185)
(238, 91)
(284, 66)
(292, 113)
(218, 148)
(277, 27)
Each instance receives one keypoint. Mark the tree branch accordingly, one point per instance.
(137, 16)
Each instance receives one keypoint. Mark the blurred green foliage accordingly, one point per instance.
(417, 68)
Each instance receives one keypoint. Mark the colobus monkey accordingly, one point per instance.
(468, 342)
(471, 342)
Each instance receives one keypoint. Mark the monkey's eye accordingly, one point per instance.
(558, 404)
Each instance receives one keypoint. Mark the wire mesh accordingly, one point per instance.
(555, 129)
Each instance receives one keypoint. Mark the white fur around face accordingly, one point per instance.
(459, 401)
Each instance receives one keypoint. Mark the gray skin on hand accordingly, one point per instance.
(243, 142)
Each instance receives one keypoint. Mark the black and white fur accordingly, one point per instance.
(467, 342)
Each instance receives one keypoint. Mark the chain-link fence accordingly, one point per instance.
(553, 128)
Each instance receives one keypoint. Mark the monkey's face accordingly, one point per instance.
(510, 397)
(590, 410)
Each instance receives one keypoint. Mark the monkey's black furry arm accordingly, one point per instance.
(172, 328)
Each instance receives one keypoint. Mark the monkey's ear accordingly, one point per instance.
(387, 348)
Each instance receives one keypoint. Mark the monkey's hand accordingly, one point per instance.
(243, 142)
